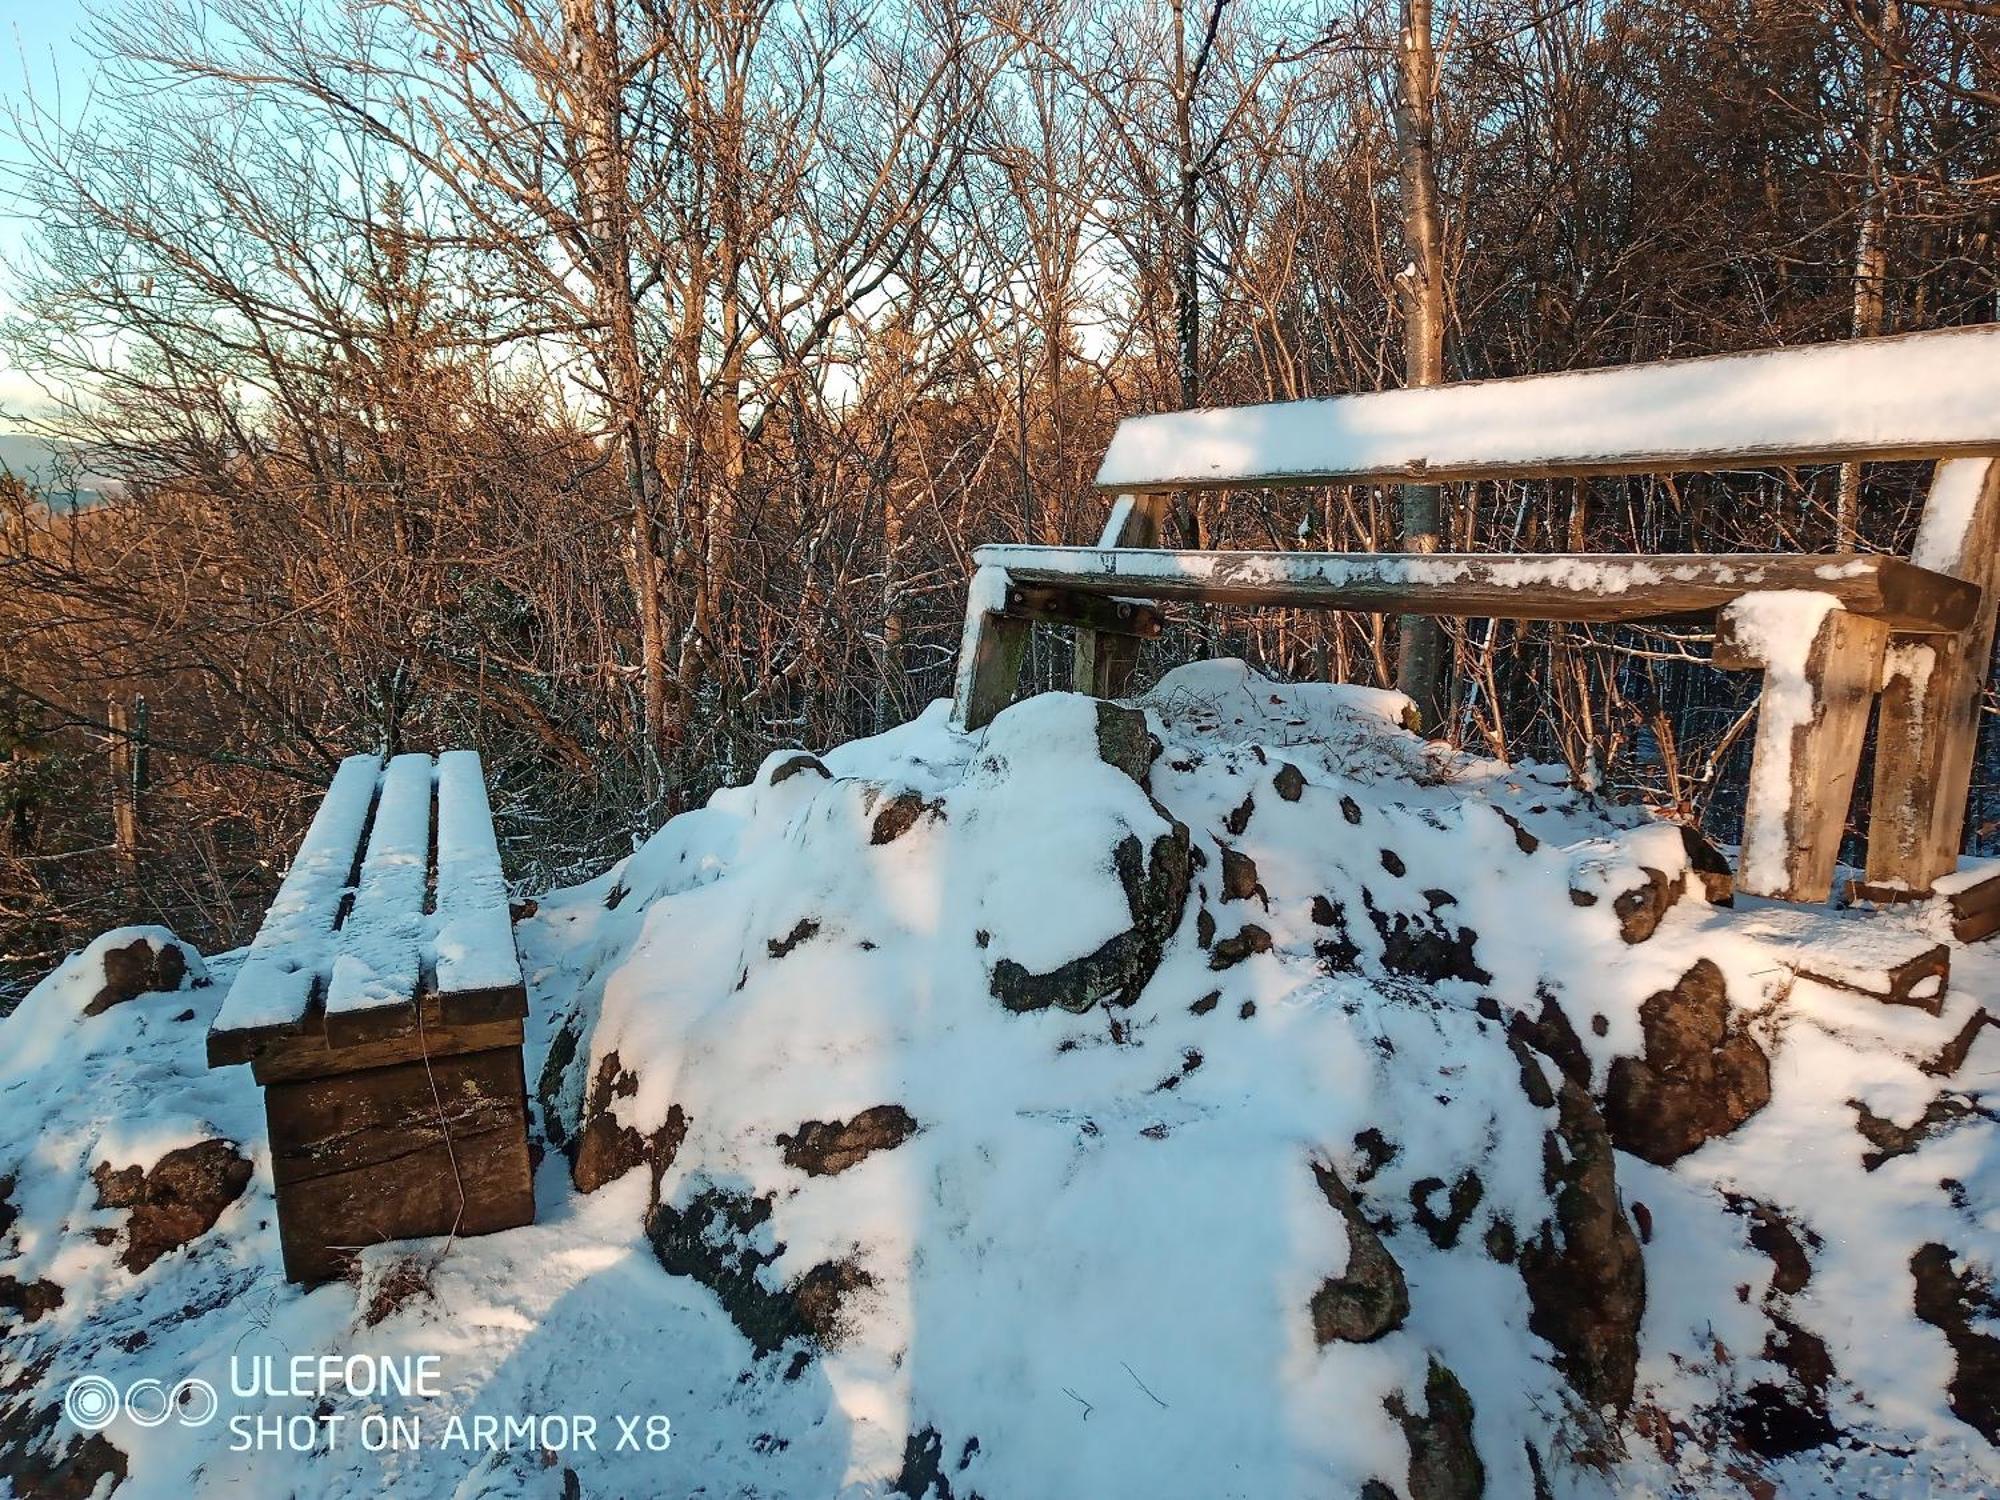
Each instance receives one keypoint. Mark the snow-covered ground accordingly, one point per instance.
(1249, 1100)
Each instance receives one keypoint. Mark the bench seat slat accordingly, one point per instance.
(274, 986)
(478, 971)
(1919, 395)
(1605, 588)
(378, 959)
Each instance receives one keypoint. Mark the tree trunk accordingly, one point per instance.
(1421, 666)
(1870, 251)
(594, 49)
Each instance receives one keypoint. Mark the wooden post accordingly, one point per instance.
(1822, 666)
(125, 774)
(1104, 662)
(989, 653)
(1932, 689)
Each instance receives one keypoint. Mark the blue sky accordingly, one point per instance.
(37, 52)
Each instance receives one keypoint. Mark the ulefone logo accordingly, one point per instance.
(92, 1403)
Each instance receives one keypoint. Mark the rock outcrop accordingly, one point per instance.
(175, 1203)
(1700, 1075)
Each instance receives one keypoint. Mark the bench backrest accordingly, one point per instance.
(1919, 395)
(393, 916)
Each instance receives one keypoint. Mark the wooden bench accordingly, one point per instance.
(1832, 634)
(380, 1006)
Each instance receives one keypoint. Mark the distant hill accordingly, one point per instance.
(42, 464)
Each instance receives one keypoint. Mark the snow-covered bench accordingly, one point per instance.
(380, 1005)
(1831, 633)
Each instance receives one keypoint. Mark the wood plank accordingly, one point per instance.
(989, 653)
(478, 973)
(1918, 976)
(1103, 662)
(1606, 587)
(417, 1149)
(1821, 668)
(310, 1057)
(288, 958)
(1045, 604)
(377, 967)
(1918, 395)
(1929, 725)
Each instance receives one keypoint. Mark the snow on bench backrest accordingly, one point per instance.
(292, 947)
(397, 943)
(474, 941)
(378, 960)
(1920, 395)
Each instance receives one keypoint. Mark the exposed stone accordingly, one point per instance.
(1641, 909)
(1775, 1419)
(1339, 953)
(1425, 946)
(1206, 1003)
(1239, 817)
(1891, 1140)
(1124, 741)
(899, 814)
(1377, 1151)
(36, 1465)
(175, 1203)
(1708, 868)
(1289, 782)
(29, 1300)
(1550, 1034)
(605, 1149)
(1393, 863)
(1445, 1228)
(1444, 1462)
(714, 1241)
(803, 931)
(1584, 1271)
(1525, 841)
(804, 762)
(1156, 889)
(1370, 1297)
(1350, 810)
(1239, 876)
(144, 966)
(1233, 950)
(1960, 1304)
(1697, 1079)
(1772, 1233)
(822, 1148)
(922, 1476)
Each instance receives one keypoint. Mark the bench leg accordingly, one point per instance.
(1821, 669)
(1931, 692)
(989, 653)
(1104, 661)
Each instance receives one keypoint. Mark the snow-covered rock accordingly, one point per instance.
(1224, 1095)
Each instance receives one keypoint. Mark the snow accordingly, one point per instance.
(1778, 629)
(473, 940)
(1641, 584)
(397, 930)
(379, 956)
(1936, 392)
(1948, 515)
(290, 950)
(1099, 1275)
(985, 596)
